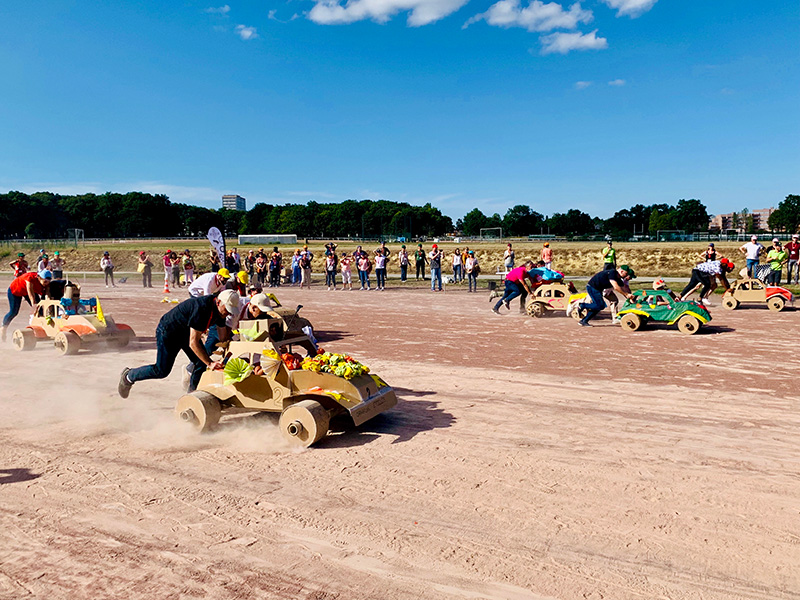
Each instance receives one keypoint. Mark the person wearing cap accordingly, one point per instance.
(709, 253)
(306, 256)
(609, 257)
(420, 260)
(435, 260)
(776, 257)
(793, 266)
(547, 256)
(187, 262)
(209, 283)
(238, 283)
(613, 279)
(20, 265)
(182, 328)
(473, 269)
(57, 265)
(402, 259)
(706, 275)
(145, 267)
(44, 263)
(28, 286)
(752, 251)
(107, 267)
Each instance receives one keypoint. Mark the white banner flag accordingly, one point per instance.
(218, 243)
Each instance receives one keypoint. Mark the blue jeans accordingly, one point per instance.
(14, 302)
(513, 289)
(457, 273)
(752, 263)
(594, 306)
(380, 275)
(363, 277)
(296, 274)
(168, 347)
(473, 281)
(436, 275)
(403, 272)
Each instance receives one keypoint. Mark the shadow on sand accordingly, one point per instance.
(17, 475)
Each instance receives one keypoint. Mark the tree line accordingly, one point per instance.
(136, 214)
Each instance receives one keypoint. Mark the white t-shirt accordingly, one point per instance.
(205, 285)
(752, 249)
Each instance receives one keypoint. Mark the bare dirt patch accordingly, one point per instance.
(526, 459)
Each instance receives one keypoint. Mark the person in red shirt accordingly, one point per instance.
(20, 265)
(28, 286)
(793, 248)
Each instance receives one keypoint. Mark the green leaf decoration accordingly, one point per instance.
(236, 370)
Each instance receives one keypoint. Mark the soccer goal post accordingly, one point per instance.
(491, 233)
(670, 235)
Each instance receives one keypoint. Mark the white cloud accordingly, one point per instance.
(617, 82)
(631, 8)
(423, 12)
(222, 10)
(561, 43)
(537, 16)
(246, 33)
(582, 85)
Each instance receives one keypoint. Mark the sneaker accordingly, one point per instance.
(507, 304)
(584, 324)
(125, 385)
(571, 307)
(706, 301)
(616, 320)
(495, 311)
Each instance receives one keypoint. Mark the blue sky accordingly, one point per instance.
(595, 105)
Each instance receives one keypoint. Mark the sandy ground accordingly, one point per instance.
(526, 459)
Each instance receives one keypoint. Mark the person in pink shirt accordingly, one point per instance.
(793, 249)
(517, 281)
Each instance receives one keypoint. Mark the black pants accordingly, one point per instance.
(420, 269)
(168, 346)
(698, 277)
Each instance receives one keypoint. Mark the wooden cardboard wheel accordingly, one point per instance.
(688, 324)
(304, 423)
(536, 309)
(23, 339)
(730, 303)
(201, 410)
(631, 322)
(67, 342)
(776, 303)
(120, 340)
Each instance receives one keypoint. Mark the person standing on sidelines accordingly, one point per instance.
(181, 329)
(473, 269)
(752, 251)
(347, 274)
(20, 265)
(609, 257)
(402, 258)
(776, 257)
(30, 287)
(516, 285)
(709, 253)
(547, 256)
(435, 258)
(508, 257)
(458, 266)
(420, 260)
(305, 268)
(616, 279)
(146, 269)
(107, 267)
(793, 250)
(297, 272)
(187, 261)
(381, 256)
(57, 265)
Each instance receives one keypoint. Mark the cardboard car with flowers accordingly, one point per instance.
(660, 307)
(272, 375)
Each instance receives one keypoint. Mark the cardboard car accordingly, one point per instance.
(658, 306)
(548, 297)
(307, 393)
(71, 323)
(755, 290)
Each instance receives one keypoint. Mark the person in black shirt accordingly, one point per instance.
(616, 279)
(182, 329)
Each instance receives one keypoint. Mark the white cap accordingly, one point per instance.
(754, 238)
(775, 240)
(261, 302)
(230, 299)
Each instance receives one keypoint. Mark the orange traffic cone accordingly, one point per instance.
(166, 287)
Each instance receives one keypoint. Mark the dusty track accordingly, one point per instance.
(527, 459)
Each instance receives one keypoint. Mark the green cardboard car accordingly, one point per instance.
(659, 306)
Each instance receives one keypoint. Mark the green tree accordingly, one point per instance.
(520, 220)
(787, 215)
(691, 215)
(473, 222)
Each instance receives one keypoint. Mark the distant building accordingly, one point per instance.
(234, 202)
(740, 222)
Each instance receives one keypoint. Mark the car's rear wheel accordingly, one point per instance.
(776, 303)
(23, 339)
(631, 322)
(120, 340)
(536, 309)
(67, 342)
(201, 410)
(689, 324)
(730, 303)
